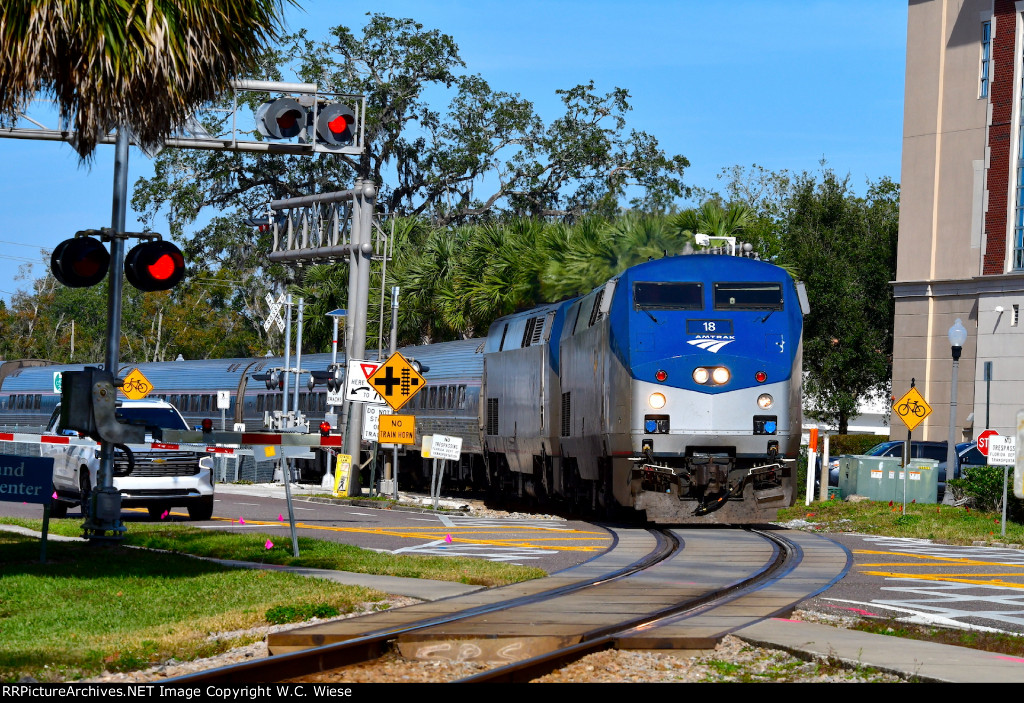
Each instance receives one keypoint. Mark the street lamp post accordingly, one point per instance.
(957, 337)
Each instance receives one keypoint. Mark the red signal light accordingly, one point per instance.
(325, 428)
(338, 125)
(283, 118)
(207, 425)
(761, 376)
(334, 125)
(154, 265)
(79, 262)
(661, 375)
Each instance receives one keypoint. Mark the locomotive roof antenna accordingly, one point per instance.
(705, 239)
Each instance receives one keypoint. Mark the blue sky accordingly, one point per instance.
(779, 83)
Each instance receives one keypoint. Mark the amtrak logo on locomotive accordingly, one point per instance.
(711, 344)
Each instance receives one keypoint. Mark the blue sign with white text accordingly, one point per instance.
(28, 479)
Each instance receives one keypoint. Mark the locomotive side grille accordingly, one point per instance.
(492, 416)
(595, 314)
(566, 418)
(538, 330)
(528, 332)
(158, 464)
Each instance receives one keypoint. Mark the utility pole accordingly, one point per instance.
(104, 511)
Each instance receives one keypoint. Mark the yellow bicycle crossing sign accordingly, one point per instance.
(912, 408)
(136, 386)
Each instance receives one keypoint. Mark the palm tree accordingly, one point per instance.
(146, 65)
(711, 218)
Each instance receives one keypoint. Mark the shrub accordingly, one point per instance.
(852, 443)
(984, 486)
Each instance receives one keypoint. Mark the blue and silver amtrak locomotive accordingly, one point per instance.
(672, 389)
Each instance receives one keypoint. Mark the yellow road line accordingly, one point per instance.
(950, 560)
(949, 578)
(436, 533)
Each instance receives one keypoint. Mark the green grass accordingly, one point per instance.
(117, 607)
(942, 523)
(313, 553)
(90, 608)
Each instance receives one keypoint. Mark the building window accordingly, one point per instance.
(986, 49)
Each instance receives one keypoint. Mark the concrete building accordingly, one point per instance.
(961, 231)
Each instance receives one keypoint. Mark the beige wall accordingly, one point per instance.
(939, 254)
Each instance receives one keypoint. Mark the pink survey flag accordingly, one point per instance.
(269, 544)
(448, 539)
(241, 521)
(280, 516)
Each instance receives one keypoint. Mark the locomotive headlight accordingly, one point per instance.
(765, 401)
(657, 401)
(720, 375)
(701, 375)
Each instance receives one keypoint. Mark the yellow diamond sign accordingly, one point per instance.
(396, 381)
(912, 408)
(136, 386)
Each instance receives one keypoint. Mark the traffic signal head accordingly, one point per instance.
(325, 428)
(154, 265)
(335, 124)
(79, 262)
(282, 118)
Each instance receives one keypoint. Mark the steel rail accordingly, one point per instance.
(787, 556)
(374, 644)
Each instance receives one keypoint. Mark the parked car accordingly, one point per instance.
(156, 479)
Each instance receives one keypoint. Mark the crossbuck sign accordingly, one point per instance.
(275, 313)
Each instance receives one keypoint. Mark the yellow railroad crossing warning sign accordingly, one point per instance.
(912, 408)
(396, 381)
(136, 386)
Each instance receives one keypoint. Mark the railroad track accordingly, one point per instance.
(657, 589)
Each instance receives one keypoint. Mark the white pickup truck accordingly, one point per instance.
(160, 478)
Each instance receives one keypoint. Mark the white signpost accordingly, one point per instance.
(357, 387)
(371, 420)
(223, 403)
(1002, 451)
(445, 448)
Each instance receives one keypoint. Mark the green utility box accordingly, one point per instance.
(882, 478)
(922, 484)
(867, 476)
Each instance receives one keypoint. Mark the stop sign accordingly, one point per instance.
(983, 441)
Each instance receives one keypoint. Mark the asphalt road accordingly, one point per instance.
(549, 544)
(915, 581)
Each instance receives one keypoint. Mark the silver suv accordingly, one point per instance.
(158, 479)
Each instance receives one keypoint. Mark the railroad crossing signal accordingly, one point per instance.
(275, 313)
(136, 386)
(397, 381)
(912, 408)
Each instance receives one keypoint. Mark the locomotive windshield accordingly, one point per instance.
(748, 296)
(668, 296)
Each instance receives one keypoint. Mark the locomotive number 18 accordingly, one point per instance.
(709, 326)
